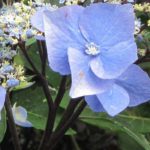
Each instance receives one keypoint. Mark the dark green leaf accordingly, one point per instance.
(3, 125)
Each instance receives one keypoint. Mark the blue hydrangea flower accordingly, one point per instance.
(12, 82)
(94, 44)
(6, 69)
(130, 89)
(20, 116)
(2, 98)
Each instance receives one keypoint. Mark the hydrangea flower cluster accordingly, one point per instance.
(15, 23)
(96, 46)
(10, 74)
(15, 26)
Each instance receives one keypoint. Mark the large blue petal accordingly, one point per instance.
(115, 100)
(2, 97)
(84, 82)
(61, 32)
(37, 19)
(137, 84)
(112, 63)
(94, 103)
(107, 24)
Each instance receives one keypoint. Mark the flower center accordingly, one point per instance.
(92, 49)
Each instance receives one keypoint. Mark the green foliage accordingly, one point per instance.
(130, 124)
(33, 99)
(3, 124)
(30, 41)
(127, 143)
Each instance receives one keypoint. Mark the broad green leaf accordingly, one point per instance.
(33, 99)
(128, 120)
(125, 142)
(3, 125)
(130, 125)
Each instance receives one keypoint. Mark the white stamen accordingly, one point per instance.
(92, 49)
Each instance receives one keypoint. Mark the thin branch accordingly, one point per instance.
(68, 112)
(56, 137)
(61, 91)
(43, 55)
(52, 114)
(22, 47)
(45, 86)
(11, 123)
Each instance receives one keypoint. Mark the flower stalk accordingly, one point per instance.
(11, 123)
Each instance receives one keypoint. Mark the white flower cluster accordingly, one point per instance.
(15, 26)
(15, 23)
(10, 74)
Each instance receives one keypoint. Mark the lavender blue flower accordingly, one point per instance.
(94, 44)
(130, 89)
(7, 69)
(12, 82)
(2, 98)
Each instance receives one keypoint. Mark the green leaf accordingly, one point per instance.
(127, 143)
(130, 125)
(33, 99)
(127, 120)
(30, 41)
(3, 125)
(23, 85)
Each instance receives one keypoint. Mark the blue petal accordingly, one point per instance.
(84, 82)
(2, 97)
(107, 24)
(115, 100)
(12, 82)
(137, 84)
(61, 32)
(24, 124)
(37, 19)
(20, 116)
(94, 103)
(112, 63)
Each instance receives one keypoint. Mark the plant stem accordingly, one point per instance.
(61, 92)
(68, 112)
(11, 123)
(56, 137)
(75, 144)
(49, 126)
(45, 86)
(43, 55)
(22, 47)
